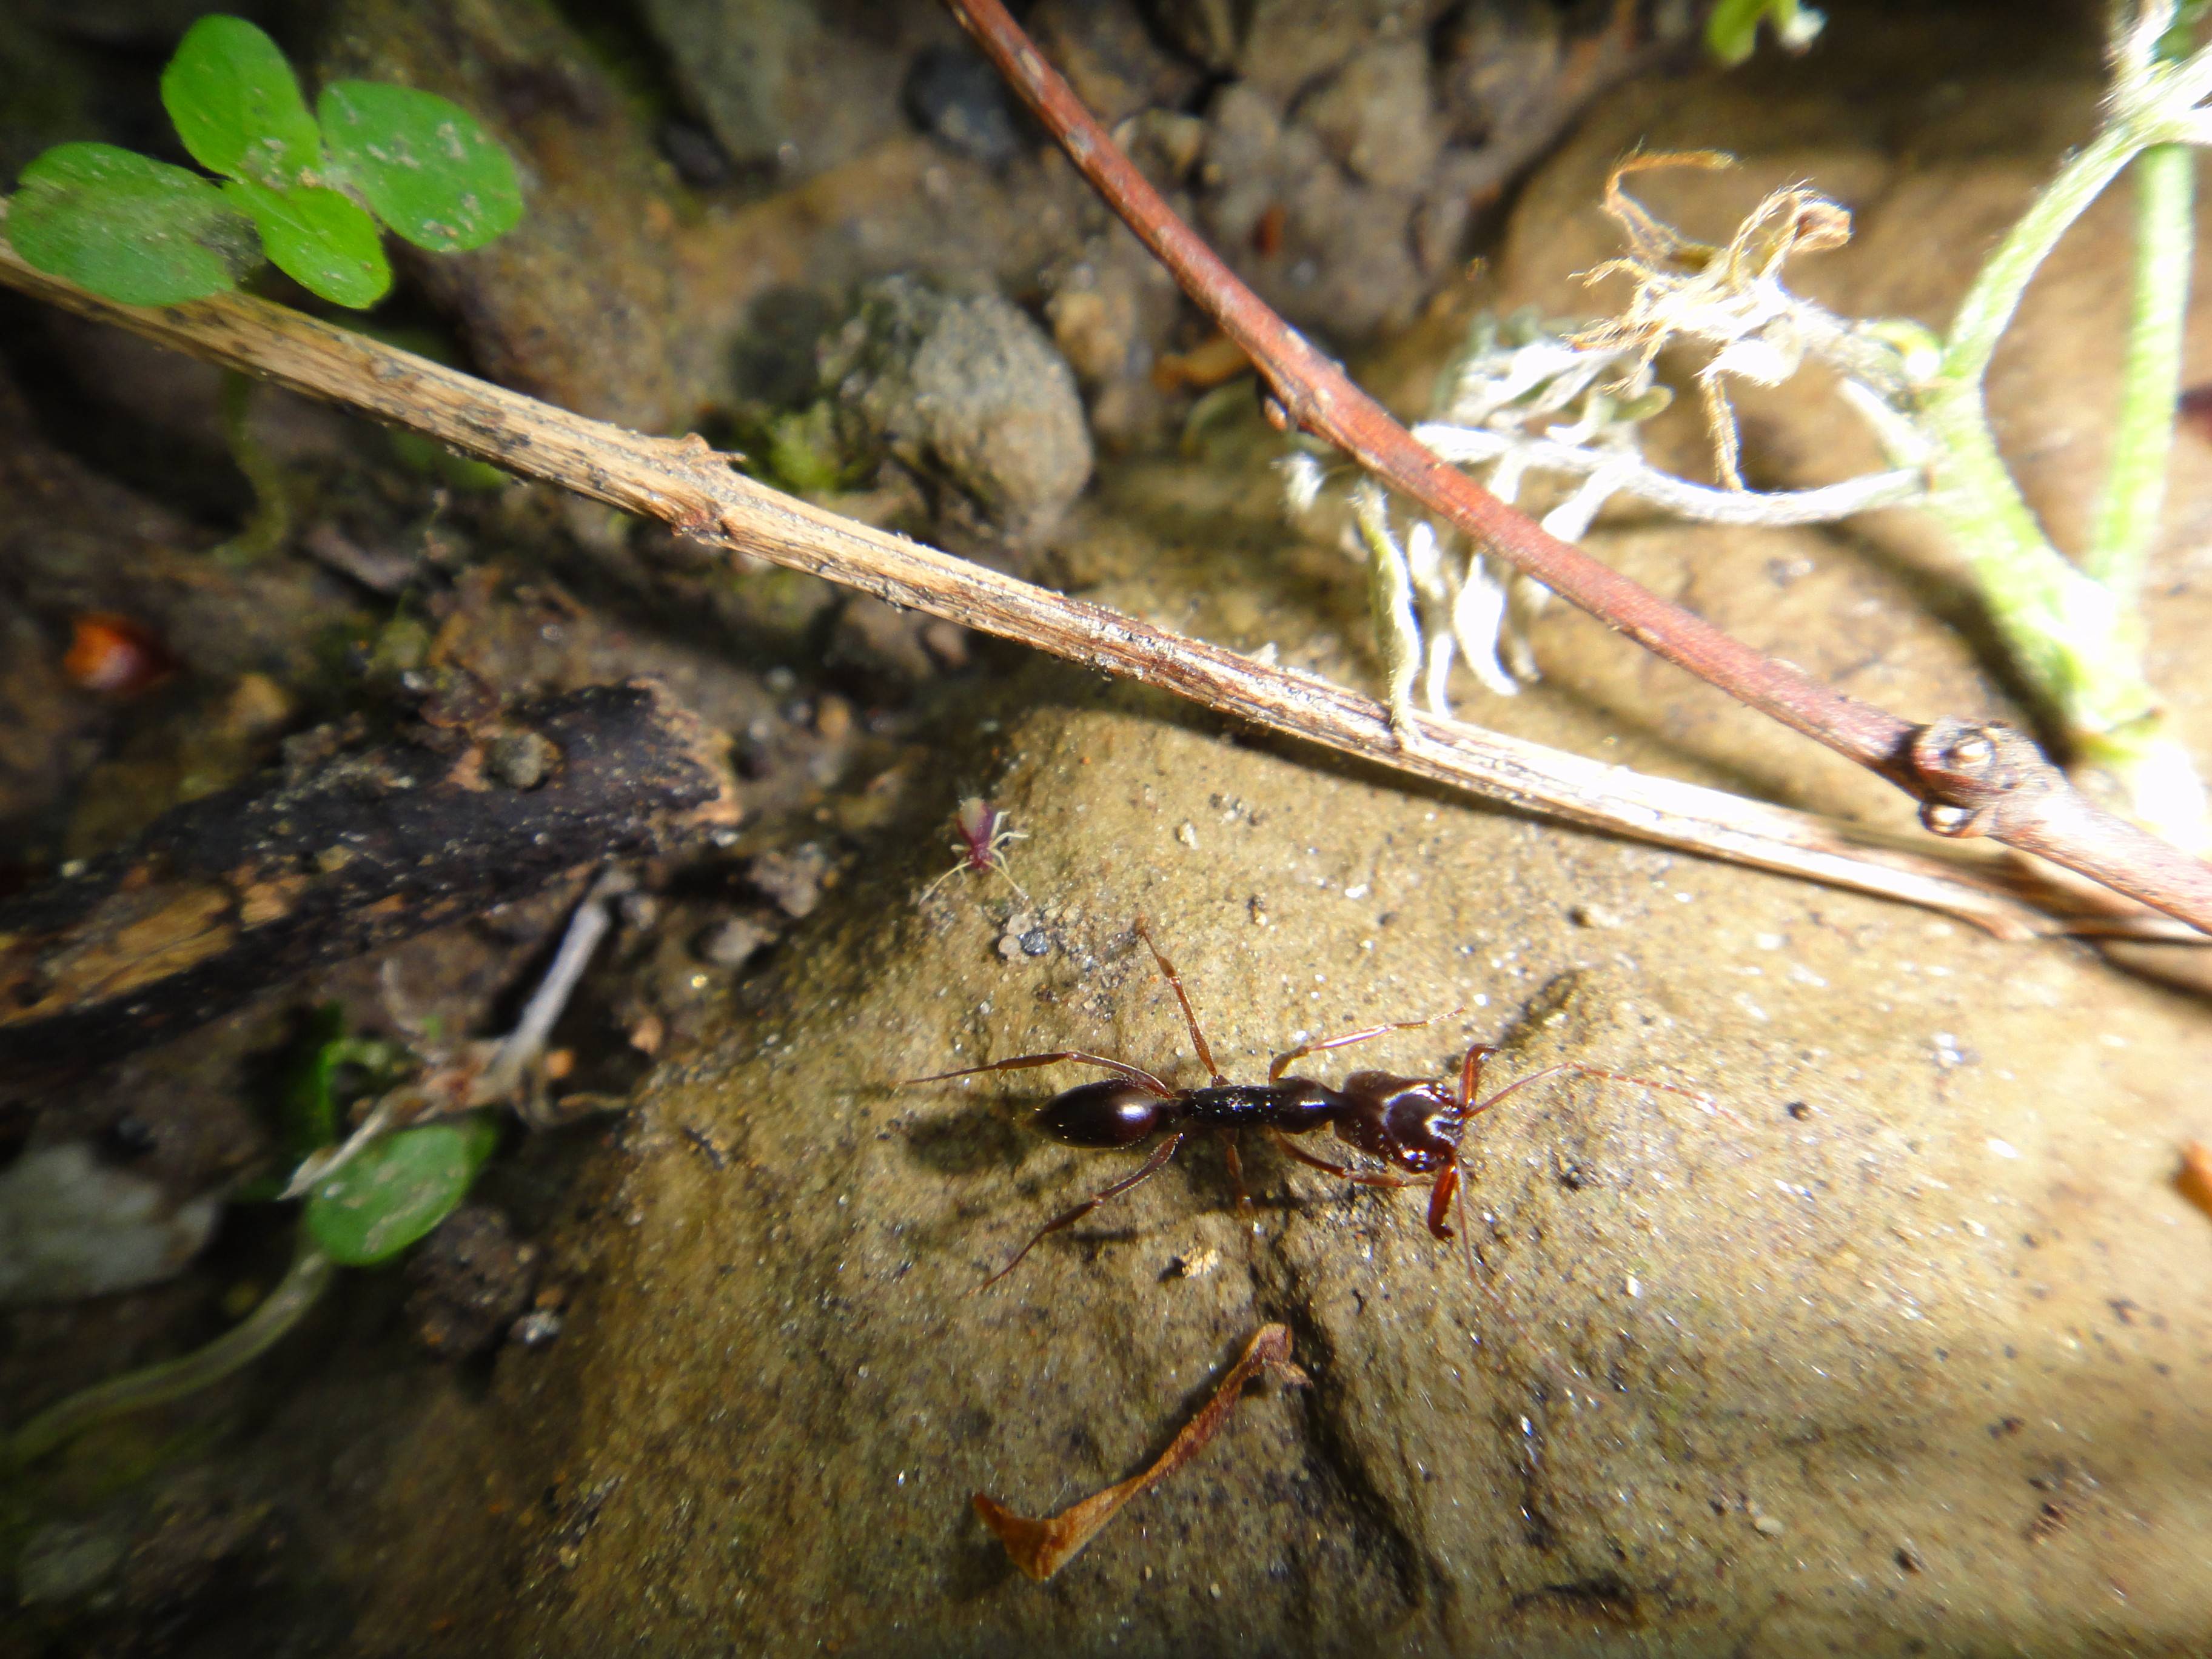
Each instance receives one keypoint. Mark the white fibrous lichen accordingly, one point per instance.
(1552, 408)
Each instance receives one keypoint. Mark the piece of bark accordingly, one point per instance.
(350, 854)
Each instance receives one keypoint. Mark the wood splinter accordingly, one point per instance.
(336, 855)
(1042, 1547)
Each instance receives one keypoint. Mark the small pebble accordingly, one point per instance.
(961, 101)
(794, 879)
(536, 1328)
(732, 943)
(1036, 942)
(521, 760)
(1187, 833)
(947, 642)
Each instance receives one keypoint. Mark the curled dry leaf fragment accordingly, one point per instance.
(2195, 1177)
(115, 655)
(1042, 1547)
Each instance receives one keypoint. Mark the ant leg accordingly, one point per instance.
(1342, 1171)
(1305, 1156)
(1235, 1161)
(1189, 1015)
(1283, 1062)
(1136, 1074)
(1151, 1168)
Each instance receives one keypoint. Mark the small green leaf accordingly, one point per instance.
(397, 1189)
(422, 163)
(324, 241)
(127, 226)
(1732, 27)
(237, 105)
(312, 1095)
(311, 1108)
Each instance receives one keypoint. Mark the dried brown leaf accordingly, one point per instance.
(1041, 1547)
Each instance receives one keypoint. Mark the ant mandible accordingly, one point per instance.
(1414, 1124)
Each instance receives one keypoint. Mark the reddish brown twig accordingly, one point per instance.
(2026, 802)
(1042, 1547)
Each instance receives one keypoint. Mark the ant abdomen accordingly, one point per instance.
(1107, 1113)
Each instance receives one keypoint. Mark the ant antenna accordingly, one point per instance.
(1470, 1070)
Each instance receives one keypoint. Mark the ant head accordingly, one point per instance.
(1410, 1121)
(1107, 1113)
(1424, 1124)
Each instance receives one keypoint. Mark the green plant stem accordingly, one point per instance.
(270, 525)
(2079, 647)
(172, 1379)
(1390, 605)
(1987, 312)
(2078, 639)
(2142, 434)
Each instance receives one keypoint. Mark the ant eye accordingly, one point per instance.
(1108, 1112)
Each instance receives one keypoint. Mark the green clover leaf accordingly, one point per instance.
(422, 163)
(323, 240)
(127, 226)
(395, 1190)
(237, 105)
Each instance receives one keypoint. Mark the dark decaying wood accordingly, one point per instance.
(340, 855)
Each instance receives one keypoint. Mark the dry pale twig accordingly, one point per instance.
(1969, 779)
(686, 484)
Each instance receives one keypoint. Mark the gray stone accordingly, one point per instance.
(967, 393)
(789, 84)
(1374, 114)
(71, 1226)
(64, 1560)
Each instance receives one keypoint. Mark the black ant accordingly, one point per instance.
(1413, 1123)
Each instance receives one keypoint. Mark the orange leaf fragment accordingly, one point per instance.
(114, 654)
(1042, 1547)
(2195, 1177)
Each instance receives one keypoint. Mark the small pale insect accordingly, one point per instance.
(985, 833)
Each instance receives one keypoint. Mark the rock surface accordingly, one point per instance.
(1906, 1354)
